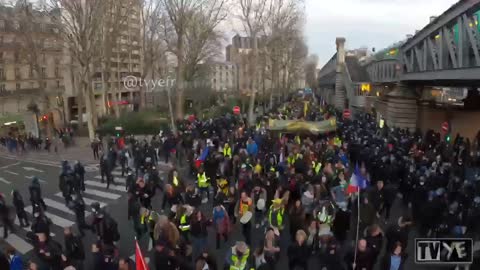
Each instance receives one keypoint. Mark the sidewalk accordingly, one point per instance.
(81, 151)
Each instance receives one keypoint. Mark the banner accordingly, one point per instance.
(295, 126)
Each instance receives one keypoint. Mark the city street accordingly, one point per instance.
(17, 174)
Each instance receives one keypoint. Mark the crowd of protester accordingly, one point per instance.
(294, 189)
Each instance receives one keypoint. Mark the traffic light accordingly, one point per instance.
(45, 117)
(448, 138)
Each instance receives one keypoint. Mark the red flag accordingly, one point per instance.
(139, 259)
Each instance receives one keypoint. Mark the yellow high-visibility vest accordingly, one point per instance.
(202, 180)
(316, 167)
(175, 181)
(239, 263)
(279, 216)
(227, 152)
(183, 224)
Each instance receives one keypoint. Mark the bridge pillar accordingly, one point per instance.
(340, 91)
(402, 108)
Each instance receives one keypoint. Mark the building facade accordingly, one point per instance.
(223, 76)
(31, 64)
(122, 57)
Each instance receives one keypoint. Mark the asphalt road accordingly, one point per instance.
(16, 175)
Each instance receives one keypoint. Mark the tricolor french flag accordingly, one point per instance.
(202, 157)
(357, 182)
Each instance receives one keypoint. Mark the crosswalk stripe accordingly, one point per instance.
(117, 173)
(59, 221)
(61, 206)
(98, 184)
(5, 181)
(18, 243)
(86, 200)
(120, 180)
(17, 222)
(99, 193)
(10, 172)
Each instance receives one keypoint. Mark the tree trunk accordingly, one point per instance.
(170, 109)
(89, 110)
(251, 108)
(104, 94)
(180, 104)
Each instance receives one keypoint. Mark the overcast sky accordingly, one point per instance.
(370, 23)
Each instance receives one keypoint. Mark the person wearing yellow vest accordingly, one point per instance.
(148, 219)
(275, 214)
(174, 179)
(244, 205)
(227, 151)
(316, 167)
(183, 221)
(203, 183)
(237, 257)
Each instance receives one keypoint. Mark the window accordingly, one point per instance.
(30, 72)
(57, 72)
(2, 87)
(18, 86)
(44, 72)
(32, 85)
(16, 57)
(58, 84)
(44, 84)
(2, 74)
(18, 74)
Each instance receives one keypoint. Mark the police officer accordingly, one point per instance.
(5, 216)
(78, 207)
(36, 197)
(79, 171)
(65, 183)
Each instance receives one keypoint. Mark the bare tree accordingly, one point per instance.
(153, 47)
(253, 14)
(282, 29)
(188, 27)
(34, 41)
(311, 70)
(81, 22)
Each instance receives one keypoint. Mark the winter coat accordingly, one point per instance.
(74, 248)
(16, 263)
(386, 261)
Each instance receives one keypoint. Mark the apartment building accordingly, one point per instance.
(122, 32)
(224, 76)
(30, 64)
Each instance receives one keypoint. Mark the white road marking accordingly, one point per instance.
(10, 172)
(98, 184)
(102, 194)
(4, 181)
(11, 165)
(86, 200)
(39, 180)
(59, 221)
(117, 173)
(18, 243)
(61, 206)
(120, 180)
(31, 169)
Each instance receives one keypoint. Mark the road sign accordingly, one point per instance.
(346, 113)
(236, 110)
(445, 127)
